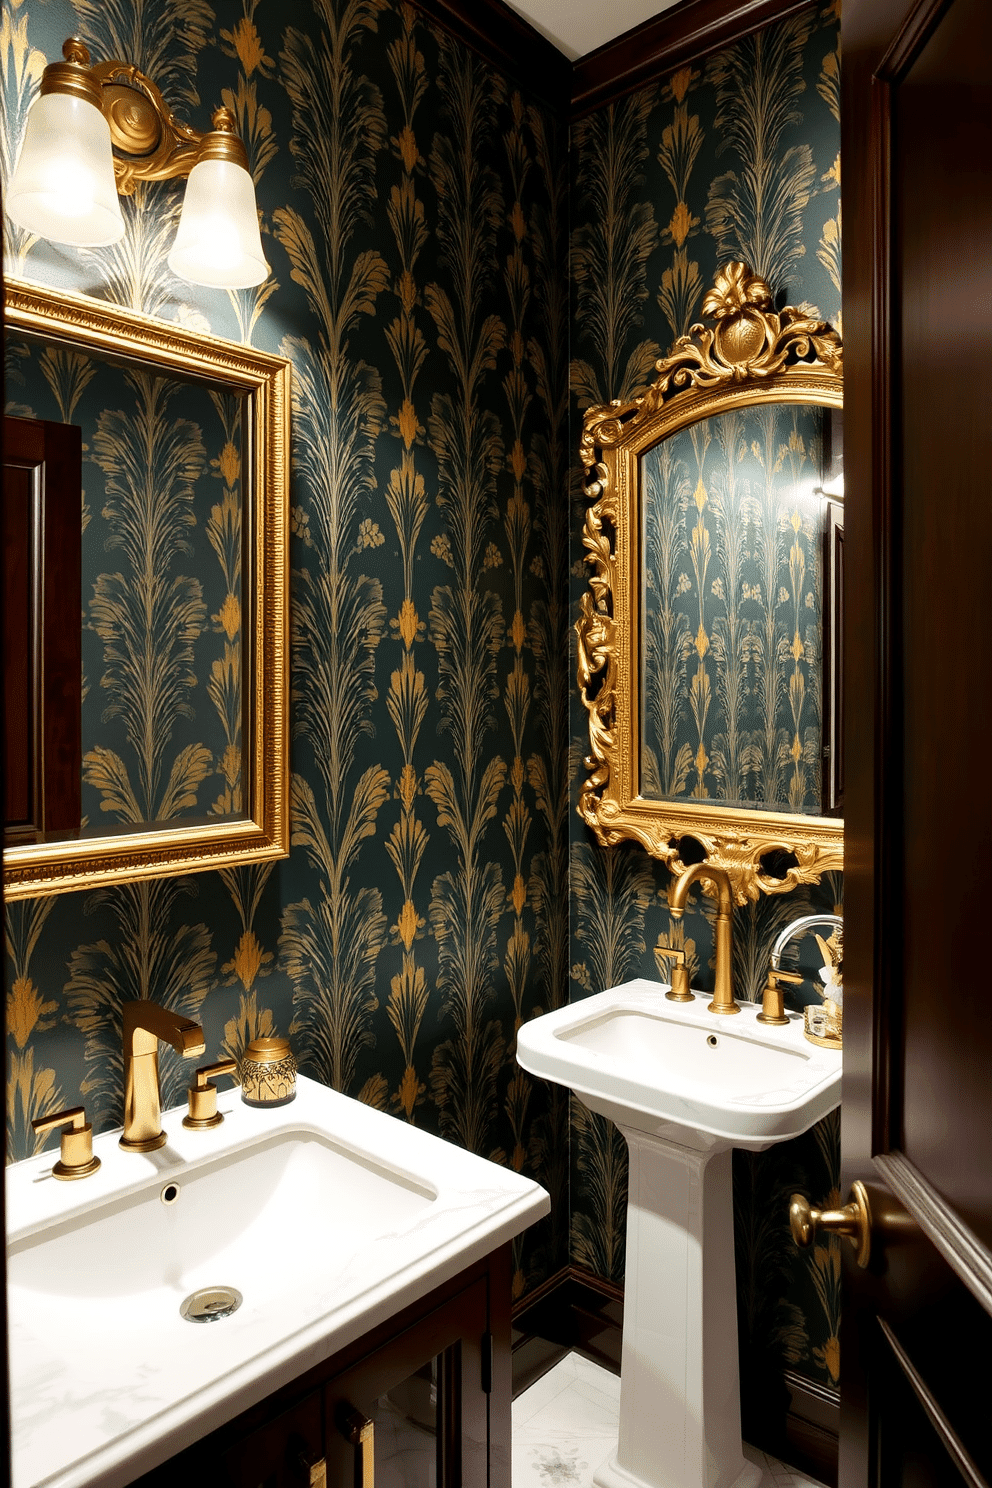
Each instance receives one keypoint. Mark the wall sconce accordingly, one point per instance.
(94, 132)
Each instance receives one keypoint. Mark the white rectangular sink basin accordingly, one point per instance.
(663, 1066)
(327, 1216)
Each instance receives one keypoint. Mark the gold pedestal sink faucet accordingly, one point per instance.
(144, 1024)
(723, 990)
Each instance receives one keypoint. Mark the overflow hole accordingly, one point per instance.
(170, 1193)
(712, 1040)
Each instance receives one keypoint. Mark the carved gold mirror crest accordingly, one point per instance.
(172, 641)
(709, 636)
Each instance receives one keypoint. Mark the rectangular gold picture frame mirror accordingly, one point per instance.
(183, 756)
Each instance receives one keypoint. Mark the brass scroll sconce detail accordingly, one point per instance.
(150, 142)
(752, 355)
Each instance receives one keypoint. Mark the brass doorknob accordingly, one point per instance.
(854, 1221)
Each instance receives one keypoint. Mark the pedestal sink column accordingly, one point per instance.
(680, 1415)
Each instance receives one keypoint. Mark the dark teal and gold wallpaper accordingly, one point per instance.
(414, 209)
(413, 212)
(736, 157)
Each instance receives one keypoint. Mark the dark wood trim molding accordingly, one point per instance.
(509, 42)
(960, 1247)
(812, 1428)
(671, 40)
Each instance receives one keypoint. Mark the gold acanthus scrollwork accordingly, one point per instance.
(752, 354)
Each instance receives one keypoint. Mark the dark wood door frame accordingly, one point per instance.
(916, 323)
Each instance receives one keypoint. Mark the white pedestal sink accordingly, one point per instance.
(684, 1086)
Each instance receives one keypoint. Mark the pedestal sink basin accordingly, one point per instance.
(685, 1086)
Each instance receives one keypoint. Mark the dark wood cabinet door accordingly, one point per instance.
(917, 1100)
(281, 1454)
(425, 1400)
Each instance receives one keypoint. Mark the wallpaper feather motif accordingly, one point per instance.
(413, 209)
(737, 157)
(413, 206)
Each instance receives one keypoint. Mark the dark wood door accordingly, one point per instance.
(42, 588)
(917, 1105)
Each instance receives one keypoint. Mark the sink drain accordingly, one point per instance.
(210, 1304)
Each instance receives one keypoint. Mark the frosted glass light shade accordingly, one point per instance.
(63, 187)
(218, 242)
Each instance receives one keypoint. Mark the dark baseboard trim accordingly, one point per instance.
(667, 42)
(573, 1310)
(812, 1428)
(510, 43)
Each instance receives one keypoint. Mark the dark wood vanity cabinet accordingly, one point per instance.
(432, 1383)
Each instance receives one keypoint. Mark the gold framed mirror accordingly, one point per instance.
(156, 740)
(709, 637)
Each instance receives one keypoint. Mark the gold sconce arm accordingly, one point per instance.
(76, 1158)
(150, 143)
(202, 1095)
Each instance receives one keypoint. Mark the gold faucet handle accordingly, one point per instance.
(772, 1001)
(202, 1095)
(76, 1158)
(679, 990)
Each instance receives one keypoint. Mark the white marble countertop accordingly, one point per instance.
(327, 1215)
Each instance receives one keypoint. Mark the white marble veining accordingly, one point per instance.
(568, 1421)
(326, 1215)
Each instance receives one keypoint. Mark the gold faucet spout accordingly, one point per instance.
(145, 1023)
(723, 990)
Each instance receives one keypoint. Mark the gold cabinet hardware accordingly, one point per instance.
(854, 1221)
(202, 1095)
(360, 1431)
(772, 1001)
(76, 1158)
(314, 1470)
(679, 990)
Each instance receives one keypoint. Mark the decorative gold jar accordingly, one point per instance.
(268, 1073)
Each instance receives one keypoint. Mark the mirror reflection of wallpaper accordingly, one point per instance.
(733, 549)
(161, 560)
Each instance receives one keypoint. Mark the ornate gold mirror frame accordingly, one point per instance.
(751, 356)
(261, 831)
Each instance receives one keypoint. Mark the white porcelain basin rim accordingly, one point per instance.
(761, 1084)
(107, 1382)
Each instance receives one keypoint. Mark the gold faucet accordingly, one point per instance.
(723, 990)
(144, 1024)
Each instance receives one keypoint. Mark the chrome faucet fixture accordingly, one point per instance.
(799, 927)
(144, 1024)
(723, 991)
(822, 1023)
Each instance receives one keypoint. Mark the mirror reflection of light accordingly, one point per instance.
(832, 489)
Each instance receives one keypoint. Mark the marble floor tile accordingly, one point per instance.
(565, 1425)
